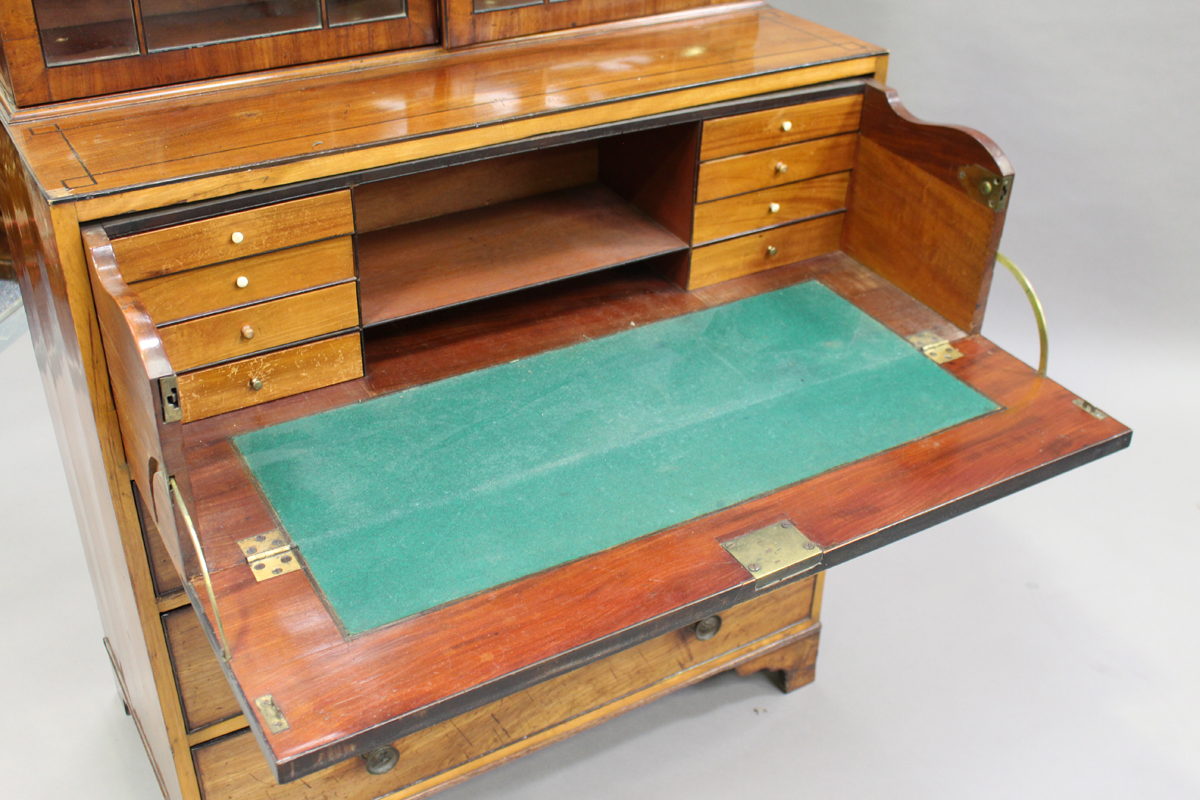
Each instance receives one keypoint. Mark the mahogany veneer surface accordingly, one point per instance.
(285, 643)
(331, 121)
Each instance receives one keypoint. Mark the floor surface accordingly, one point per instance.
(1045, 646)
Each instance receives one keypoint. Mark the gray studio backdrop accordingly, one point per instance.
(1045, 646)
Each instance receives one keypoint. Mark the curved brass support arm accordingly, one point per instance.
(212, 597)
(1038, 312)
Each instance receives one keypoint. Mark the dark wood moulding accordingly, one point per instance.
(435, 665)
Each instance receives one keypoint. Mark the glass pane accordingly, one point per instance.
(169, 24)
(73, 32)
(499, 5)
(348, 12)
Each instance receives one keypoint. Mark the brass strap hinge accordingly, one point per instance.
(936, 348)
(1089, 408)
(774, 553)
(269, 555)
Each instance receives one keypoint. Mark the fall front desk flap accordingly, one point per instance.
(452, 488)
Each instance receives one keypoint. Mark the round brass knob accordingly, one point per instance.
(247, 332)
(237, 237)
(707, 628)
(771, 250)
(242, 282)
(985, 187)
(256, 383)
(773, 208)
(786, 126)
(781, 167)
(382, 760)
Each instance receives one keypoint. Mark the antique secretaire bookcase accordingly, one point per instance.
(438, 380)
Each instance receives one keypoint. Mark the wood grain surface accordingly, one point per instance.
(910, 216)
(732, 175)
(410, 198)
(257, 134)
(448, 752)
(203, 690)
(285, 372)
(770, 207)
(233, 236)
(201, 291)
(744, 255)
(283, 639)
(473, 254)
(746, 133)
(263, 326)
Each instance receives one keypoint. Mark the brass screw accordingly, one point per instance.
(771, 250)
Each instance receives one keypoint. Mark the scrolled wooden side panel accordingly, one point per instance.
(138, 367)
(915, 215)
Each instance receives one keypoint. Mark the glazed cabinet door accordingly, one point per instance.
(61, 49)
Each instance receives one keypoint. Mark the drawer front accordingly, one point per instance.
(779, 126)
(252, 329)
(203, 689)
(749, 173)
(246, 233)
(212, 391)
(759, 251)
(248, 280)
(778, 205)
(233, 768)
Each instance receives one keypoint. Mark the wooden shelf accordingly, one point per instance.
(488, 251)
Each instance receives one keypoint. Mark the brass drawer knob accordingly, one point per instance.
(242, 282)
(256, 383)
(771, 250)
(786, 126)
(707, 628)
(237, 237)
(773, 208)
(381, 761)
(781, 168)
(247, 332)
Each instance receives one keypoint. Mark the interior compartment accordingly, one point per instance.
(438, 239)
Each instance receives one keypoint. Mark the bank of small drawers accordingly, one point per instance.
(244, 302)
(772, 188)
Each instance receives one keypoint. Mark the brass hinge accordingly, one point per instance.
(936, 348)
(269, 555)
(774, 553)
(271, 714)
(986, 187)
(1089, 408)
(168, 391)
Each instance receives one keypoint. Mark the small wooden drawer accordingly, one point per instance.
(252, 329)
(246, 233)
(759, 251)
(212, 391)
(779, 126)
(233, 768)
(749, 173)
(769, 207)
(248, 280)
(203, 689)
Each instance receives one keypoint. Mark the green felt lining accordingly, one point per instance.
(415, 499)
